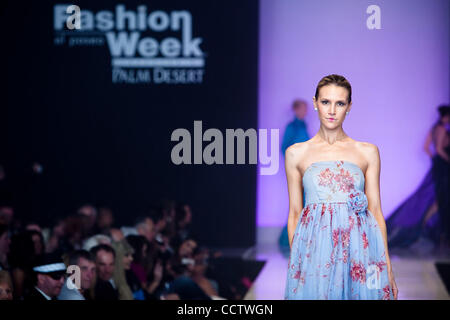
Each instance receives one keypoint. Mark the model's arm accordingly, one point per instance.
(427, 145)
(295, 190)
(440, 136)
(372, 190)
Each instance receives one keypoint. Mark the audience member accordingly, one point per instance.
(49, 271)
(4, 246)
(158, 258)
(6, 288)
(84, 260)
(105, 287)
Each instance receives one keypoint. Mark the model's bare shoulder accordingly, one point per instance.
(296, 150)
(294, 153)
(370, 151)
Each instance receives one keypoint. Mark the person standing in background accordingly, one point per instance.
(440, 137)
(296, 131)
(421, 221)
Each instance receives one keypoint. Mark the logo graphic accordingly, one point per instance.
(374, 20)
(213, 153)
(155, 47)
(73, 21)
(374, 279)
(74, 280)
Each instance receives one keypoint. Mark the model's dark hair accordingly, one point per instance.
(337, 80)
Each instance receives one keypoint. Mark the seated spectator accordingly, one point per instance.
(6, 215)
(95, 240)
(183, 221)
(84, 260)
(145, 227)
(49, 272)
(4, 246)
(128, 231)
(198, 272)
(105, 221)
(180, 268)
(6, 288)
(151, 284)
(105, 287)
(140, 246)
(158, 259)
(155, 285)
(33, 226)
(89, 218)
(182, 262)
(123, 258)
(38, 240)
(54, 236)
(22, 257)
(73, 235)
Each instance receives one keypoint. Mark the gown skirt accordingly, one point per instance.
(338, 251)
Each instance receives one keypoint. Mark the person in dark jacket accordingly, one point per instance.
(105, 287)
(49, 272)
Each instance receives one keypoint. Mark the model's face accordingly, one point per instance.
(331, 105)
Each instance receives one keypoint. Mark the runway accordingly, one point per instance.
(417, 277)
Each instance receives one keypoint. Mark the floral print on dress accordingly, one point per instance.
(305, 216)
(337, 242)
(365, 240)
(358, 272)
(357, 201)
(344, 180)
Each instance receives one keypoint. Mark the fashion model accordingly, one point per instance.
(338, 243)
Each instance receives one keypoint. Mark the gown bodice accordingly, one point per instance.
(333, 181)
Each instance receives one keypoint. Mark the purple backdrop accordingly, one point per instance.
(399, 75)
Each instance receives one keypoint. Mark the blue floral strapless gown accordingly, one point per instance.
(337, 249)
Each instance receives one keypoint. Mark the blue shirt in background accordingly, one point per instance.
(295, 132)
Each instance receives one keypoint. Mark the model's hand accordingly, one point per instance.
(393, 285)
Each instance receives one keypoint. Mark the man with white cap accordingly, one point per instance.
(49, 271)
